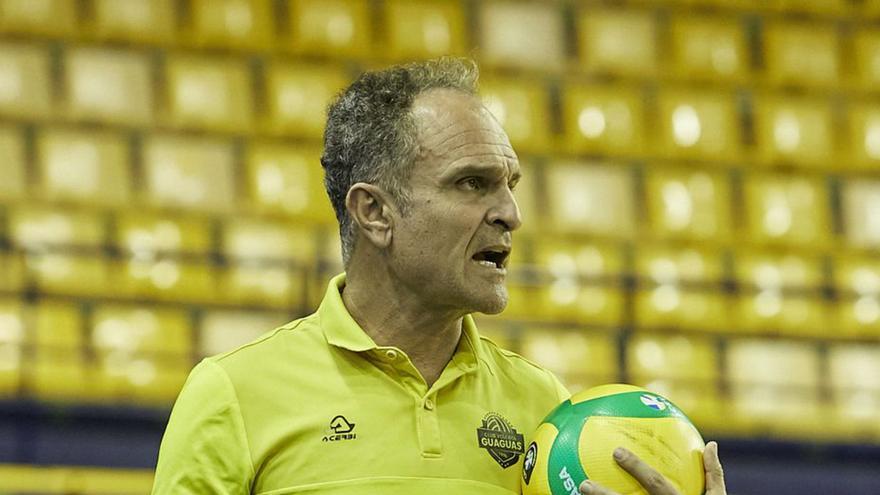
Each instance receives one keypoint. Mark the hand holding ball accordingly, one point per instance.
(577, 440)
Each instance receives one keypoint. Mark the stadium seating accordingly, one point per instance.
(590, 198)
(787, 210)
(774, 387)
(709, 48)
(90, 168)
(105, 85)
(297, 97)
(688, 203)
(424, 29)
(139, 21)
(38, 17)
(12, 167)
(223, 330)
(861, 207)
(698, 124)
(12, 336)
(207, 93)
(245, 24)
(603, 119)
(337, 28)
(25, 84)
(617, 41)
(794, 130)
(804, 53)
(853, 374)
(522, 108)
(581, 359)
(501, 41)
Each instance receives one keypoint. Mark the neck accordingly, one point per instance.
(393, 315)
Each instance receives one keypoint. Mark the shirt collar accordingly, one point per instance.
(341, 330)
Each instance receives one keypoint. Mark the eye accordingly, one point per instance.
(472, 183)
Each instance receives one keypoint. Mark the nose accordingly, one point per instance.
(506, 212)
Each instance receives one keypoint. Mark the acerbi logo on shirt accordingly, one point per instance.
(340, 429)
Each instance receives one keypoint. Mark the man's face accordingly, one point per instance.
(452, 247)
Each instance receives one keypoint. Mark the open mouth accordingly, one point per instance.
(492, 258)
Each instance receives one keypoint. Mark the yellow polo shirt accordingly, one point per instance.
(316, 407)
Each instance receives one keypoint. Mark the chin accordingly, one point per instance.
(492, 304)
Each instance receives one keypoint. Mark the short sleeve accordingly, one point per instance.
(205, 447)
(562, 392)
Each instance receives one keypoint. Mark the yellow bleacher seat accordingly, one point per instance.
(604, 119)
(189, 173)
(209, 93)
(688, 203)
(287, 180)
(857, 279)
(12, 336)
(25, 83)
(298, 96)
(861, 212)
(424, 29)
(679, 289)
(791, 210)
(336, 28)
(823, 7)
(46, 235)
(149, 21)
(522, 107)
(591, 198)
(801, 53)
(87, 167)
(864, 134)
(264, 261)
(866, 55)
(581, 282)
(794, 130)
(12, 167)
(146, 234)
(774, 386)
(780, 293)
(224, 330)
(617, 41)
(698, 124)
(854, 378)
(58, 370)
(143, 353)
(233, 23)
(502, 42)
(11, 272)
(166, 279)
(41, 17)
(581, 358)
(109, 86)
(709, 48)
(57, 480)
(683, 369)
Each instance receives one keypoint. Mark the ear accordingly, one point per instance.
(370, 209)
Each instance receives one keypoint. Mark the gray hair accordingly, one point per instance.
(371, 135)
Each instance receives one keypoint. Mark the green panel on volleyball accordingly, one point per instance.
(576, 441)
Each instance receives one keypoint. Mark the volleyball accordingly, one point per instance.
(576, 442)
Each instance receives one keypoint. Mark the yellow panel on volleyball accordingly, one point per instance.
(577, 440)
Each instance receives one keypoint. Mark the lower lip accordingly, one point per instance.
(491, 267)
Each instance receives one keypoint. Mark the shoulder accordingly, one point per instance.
(298, 336)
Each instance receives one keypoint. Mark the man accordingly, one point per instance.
(387, 388)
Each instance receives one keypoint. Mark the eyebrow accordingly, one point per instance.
(475, 168)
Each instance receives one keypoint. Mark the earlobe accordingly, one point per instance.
(369, 209)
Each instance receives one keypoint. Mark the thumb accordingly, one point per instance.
(714, 472)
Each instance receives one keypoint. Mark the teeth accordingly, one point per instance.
(487, 263)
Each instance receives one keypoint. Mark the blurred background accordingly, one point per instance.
(701, 202)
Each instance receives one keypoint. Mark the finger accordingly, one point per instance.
(590, 488)
(714, 471)
(650, 479)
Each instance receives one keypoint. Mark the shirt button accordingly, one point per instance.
(391, 354)
(429, 404)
